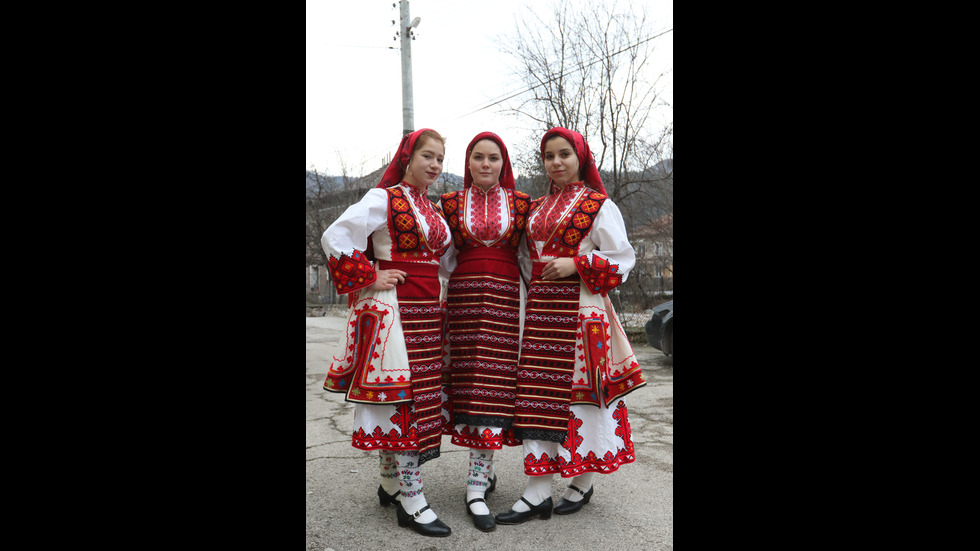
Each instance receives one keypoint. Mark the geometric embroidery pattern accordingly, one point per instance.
(599, 275)
(586, 461)
(585, 386)
(410, 243)
(547, 360)
(454, 207)
(433, 217)
(483, 312)
(562, 234)
(552, 210)
(485, 213)
(359, 374)
(423, 320)
(350, 273)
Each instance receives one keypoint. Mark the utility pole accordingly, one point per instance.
(405, 30)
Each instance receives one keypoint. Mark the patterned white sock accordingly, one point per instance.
(481, 465)
(582, 482)
(538, 489)
(389, 471)
(410, 484)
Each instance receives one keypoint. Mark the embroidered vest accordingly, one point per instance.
(565, 238)
(409, 242)
(454, 209)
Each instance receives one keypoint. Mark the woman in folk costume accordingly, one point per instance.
(576, 364)
(485, 308)
(385, 250)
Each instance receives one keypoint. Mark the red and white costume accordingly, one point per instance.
(485, 305)
(576, 363)
(390, 360)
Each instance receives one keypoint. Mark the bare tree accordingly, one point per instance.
(326, 199)
(586, 69)
(319, 188)
(351, 190)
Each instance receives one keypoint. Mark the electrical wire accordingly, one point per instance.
(510, 95)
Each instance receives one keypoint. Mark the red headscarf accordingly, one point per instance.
(506, 173)
(586, 163)
(396, 170)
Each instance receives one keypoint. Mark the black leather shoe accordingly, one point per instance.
(386, 499)
(566, 507)
(513, 517)
(436, 528)
(483, 523)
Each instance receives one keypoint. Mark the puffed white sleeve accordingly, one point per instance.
(609, 264)
(346, 240)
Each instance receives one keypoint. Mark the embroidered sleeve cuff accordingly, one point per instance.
(351, 273)
(599, 275)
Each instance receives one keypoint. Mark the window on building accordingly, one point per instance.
(315, 278)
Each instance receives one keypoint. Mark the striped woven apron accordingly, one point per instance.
(547, 363)
(484, 323)
(422, 320)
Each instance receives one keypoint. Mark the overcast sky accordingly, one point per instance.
(353, 76)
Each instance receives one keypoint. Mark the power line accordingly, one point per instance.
(509, 95)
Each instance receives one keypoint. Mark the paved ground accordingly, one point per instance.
(631, 508)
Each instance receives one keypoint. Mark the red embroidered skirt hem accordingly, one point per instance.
(599, 440)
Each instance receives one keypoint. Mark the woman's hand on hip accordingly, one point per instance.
(387, 279)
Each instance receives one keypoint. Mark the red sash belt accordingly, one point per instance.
(417, 269)
(487, 253)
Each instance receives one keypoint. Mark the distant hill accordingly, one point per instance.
(446, 182)
(535, 185)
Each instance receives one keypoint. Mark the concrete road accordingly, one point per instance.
(630, 509)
